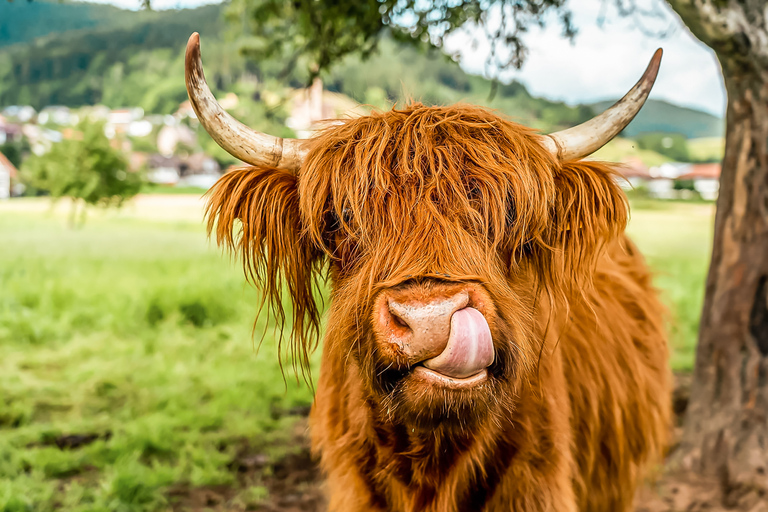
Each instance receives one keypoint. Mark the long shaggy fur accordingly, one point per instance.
(577, 404)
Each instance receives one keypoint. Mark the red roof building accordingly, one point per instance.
(702, 171)
(7, 172)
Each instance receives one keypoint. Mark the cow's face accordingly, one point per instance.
(446, 231)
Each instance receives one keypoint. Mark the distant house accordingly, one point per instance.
(198, 170)
(634, 174)
(57, 114)
(163, 170)
(314, 106)
(706, 179)
(96, 112)
(662, 188)
(670, 170)
(657, 181)
(21, 113)
(127, 121)
(662, 183)
(140, 128)
(40, 139)
(9, 132)
(172, 136)
(7, 172)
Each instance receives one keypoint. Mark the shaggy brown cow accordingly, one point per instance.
(494, 341)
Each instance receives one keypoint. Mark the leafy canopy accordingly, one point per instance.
(84, 167)
(325, 31)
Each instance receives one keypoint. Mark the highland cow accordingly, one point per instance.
(494, 341)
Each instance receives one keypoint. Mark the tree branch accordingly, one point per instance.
(737, 30)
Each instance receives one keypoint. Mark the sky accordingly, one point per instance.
(603, 62)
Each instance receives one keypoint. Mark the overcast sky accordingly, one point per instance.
(603, 62)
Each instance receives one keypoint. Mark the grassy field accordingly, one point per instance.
(707, 148)
(128, 374)
(620, 150)
(676, 239)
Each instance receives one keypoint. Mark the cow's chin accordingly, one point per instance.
(433, 378)
(424, 399)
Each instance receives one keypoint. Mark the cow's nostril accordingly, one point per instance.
(420, 328)
(399, 322)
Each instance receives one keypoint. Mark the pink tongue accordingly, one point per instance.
(469, 349)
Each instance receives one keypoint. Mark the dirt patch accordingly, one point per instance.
(291, 483)
(71, 441)
(296, 485)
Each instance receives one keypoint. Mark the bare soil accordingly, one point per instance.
(293, 482)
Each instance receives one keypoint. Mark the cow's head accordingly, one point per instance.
(444, 229)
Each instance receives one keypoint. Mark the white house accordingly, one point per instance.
(198, 170)
(662, 188)
(634, 174)
(21, 113)
(7, 171)
(9, 132)
(706, 179)
(170, 137)
(57, 114)
(314, 108)
(670, 170)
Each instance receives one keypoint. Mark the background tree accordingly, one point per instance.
(672, 145)
(726, 428)
(726, 432)
(84, 168)
(325, 31)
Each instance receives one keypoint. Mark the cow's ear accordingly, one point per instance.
(589, 211)
(254, 213)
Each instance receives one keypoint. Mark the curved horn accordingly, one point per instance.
(588, 137)
(235, 138)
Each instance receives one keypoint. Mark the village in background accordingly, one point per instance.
(166, 150)
(93, 66)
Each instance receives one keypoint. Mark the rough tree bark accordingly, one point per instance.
(726, 427)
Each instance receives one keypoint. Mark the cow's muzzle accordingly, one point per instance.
(441, 330)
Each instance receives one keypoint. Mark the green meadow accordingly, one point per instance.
(129, 373)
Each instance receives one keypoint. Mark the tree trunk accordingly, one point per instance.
(726, 426)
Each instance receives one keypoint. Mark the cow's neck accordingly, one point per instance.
(410, 469)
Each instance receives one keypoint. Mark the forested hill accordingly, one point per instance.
(127, 58)
(21, 21)
(661, 116)
(124, 58)
(74, 54)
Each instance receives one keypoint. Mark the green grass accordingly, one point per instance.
(138, 332)
(151, 188)
(618, 150)
(676, 239)
(706, 149)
